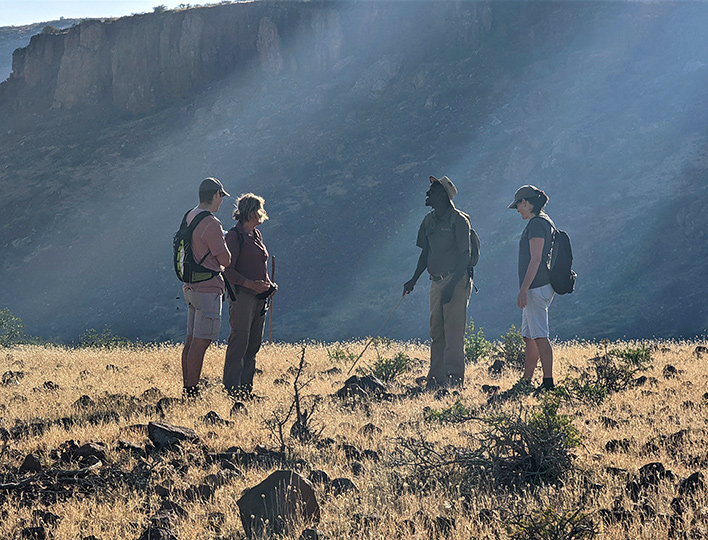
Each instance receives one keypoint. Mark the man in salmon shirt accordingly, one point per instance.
(204, 298)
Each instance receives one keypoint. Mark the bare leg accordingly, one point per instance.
(193, 359)
(545, 351)
(532, 356)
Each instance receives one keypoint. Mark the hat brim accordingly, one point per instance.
(513, 205)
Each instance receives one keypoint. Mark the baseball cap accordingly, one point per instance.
(212, 184)
(524, 192)
(447, 184)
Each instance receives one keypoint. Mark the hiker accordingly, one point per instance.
(535, 290)
(444, 237)
(250, 289)
(204, 297)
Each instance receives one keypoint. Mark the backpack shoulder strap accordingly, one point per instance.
(197, 219)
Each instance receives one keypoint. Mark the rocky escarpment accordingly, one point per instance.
(138, 63)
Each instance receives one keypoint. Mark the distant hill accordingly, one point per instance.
(337, 113)
(16, 37)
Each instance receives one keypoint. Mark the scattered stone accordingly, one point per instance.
(325, 442)
(84, 402)
(670, 372)
(370, 430)
(33, 533)
(618, 445)
(84, 374)
(166, 435)
(12, 378)
(212, 418)
(443, 526)
(351, 451)
(340, 486)
(50, 386)
(699, 350)
(166, 403)
(692, 484)
(281, 499)
(332, 371)
(318, 477)
(608, 422)
(490, 389)
(496, 368)
(371, 455)
(171, 506)
(357, 468)
(31, 463)
(202, 492)
(365, 386)
(312, 534)
(93, 449)
(652, 473)
(111, 367)
(157, 533)
(238, 408)
(688, 405)
(132, 447)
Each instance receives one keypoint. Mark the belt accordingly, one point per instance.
(439, 277)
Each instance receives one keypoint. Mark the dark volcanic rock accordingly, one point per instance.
(31, 463)
(166, 435)
(339, 486)
(279, 500)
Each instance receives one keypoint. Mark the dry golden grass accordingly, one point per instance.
(643, 414)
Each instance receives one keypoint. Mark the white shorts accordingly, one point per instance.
(203, 315)
(534, 317)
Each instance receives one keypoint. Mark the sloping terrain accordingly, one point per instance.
(338, 116)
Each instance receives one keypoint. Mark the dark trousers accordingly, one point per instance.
(247, 320)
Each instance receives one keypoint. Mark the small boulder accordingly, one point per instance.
(270, 507)
(31, 463)
(238, 408)
(167, 435)
(340, 486)
(692, 484)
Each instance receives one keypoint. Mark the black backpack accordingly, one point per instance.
(562, 275)
(474, 246)
(186, 268)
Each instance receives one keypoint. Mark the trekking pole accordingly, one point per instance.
(272, 301)
(376, 333)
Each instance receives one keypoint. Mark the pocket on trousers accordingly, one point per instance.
(209, 324)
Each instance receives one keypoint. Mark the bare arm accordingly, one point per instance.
(419, 269)
(536, 248)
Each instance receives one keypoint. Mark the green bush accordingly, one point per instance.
(11, 329)
(104, 340)
(457, 413)
(477, 347)
(337, 355)
(549, 524)
(513, 348)
(387, 369)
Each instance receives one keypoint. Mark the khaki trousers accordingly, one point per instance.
(447, 330)
(247, 320)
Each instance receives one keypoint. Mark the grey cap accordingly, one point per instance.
(524, 192)
(447, 184)
(213, 184)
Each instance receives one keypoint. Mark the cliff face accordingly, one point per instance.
(138, 63)
(337, 113)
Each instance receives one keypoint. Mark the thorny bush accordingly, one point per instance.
(550, 524)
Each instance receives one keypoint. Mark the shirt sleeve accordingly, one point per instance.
(422, 240)
(214, 237)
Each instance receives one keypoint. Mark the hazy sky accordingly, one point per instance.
(21, 12)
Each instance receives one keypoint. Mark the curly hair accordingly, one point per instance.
(247, 204)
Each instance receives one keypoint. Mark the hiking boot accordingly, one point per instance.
(190, 393)
(546, 386)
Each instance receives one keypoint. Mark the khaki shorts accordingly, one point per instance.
(534, 317)
(204, 314)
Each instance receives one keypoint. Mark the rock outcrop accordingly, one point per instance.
(139, 63)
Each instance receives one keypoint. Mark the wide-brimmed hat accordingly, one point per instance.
(447, 184)
(524, 192)
(213, 184)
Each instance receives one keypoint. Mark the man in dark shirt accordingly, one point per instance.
(444, 238)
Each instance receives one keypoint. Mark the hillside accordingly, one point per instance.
(81, 457)
(337, 113)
